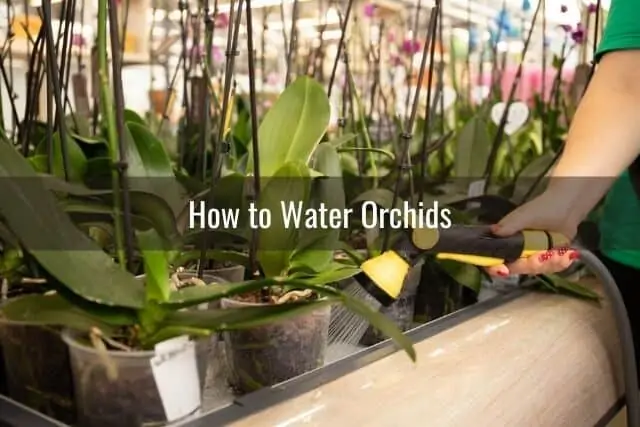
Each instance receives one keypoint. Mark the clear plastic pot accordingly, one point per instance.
(38, 374)
(233, 274)
(267, 355)
(400, 312)
(132, 399)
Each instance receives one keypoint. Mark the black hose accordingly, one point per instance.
(630, 371)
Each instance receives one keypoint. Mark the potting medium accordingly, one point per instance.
(267, 355)
(133, 397)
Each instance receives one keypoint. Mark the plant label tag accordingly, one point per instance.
(176, 375)
(518, 116)
(476, 188)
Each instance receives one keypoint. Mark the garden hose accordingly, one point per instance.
(630, 370)
(382, 277)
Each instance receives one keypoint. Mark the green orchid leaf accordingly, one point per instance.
(151, 207)
(87, 211)
(465, 274)
(349, 164)
(343, 139)
(561, 285)
(288, 189)
(242, 318)
(155, 173)
(131, 116)
(31, 212)
(318, 245)
(156, 266)
(249, 317)
(167, 332)
(472, 149)
(194, 295)
(293, 126)
(337, 272)
(380, 151)
(51, 310)
(77, 162)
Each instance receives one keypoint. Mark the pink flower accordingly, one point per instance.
(396, 61)
(563, 8)
(221, 20)
(77, 40)
(592, 8)
(217, 54)
(369, 10)
(391, 37)
(577, 35)
(410, 47)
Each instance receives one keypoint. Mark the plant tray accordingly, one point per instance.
(222, 408)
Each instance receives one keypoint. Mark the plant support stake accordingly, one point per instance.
(405, 137)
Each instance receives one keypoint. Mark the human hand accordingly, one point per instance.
(542, 213)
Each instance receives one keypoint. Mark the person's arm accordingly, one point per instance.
(604, 138)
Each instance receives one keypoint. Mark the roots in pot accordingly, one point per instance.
(37, 370)
(267, 355)
(132, 399)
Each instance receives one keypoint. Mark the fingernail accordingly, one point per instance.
(503, 273)
(574, 255)
(545, 256)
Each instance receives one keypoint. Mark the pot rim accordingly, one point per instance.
(260, 304)
(70, 337)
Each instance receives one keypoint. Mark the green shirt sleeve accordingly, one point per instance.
(622, 30)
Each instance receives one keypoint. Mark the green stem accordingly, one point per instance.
(107, 115)
(363, 128)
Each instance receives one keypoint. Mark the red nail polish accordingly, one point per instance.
(574, 255)
(502, 273)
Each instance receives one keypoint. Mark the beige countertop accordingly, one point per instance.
(540, 360)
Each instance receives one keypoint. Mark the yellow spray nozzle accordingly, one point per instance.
(387, 273)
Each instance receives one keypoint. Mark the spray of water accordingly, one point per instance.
(345, 326)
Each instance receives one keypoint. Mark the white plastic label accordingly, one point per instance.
(476, 188)
(518, 116)
(175, 371)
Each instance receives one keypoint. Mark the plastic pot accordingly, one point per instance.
(133, 398)
(233, 274)
(268, 355)
(216, 358)
(400, 312)
(38, 374)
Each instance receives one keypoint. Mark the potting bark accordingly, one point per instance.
(267, 355)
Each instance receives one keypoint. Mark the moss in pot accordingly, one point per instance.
(267, 355)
